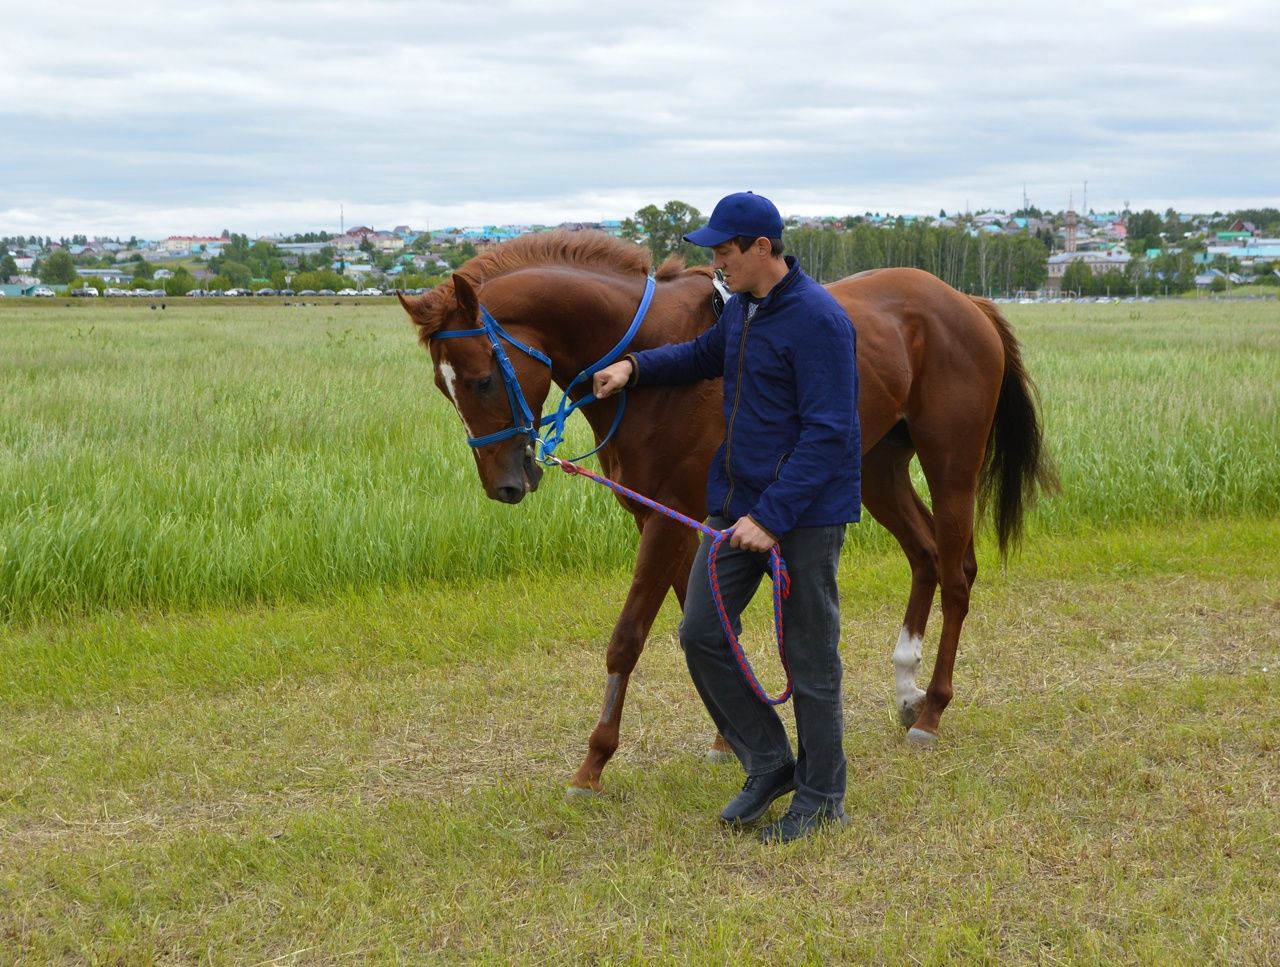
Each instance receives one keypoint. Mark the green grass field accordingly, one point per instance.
(279, 685)
(245, 454)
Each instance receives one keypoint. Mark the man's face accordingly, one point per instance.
(742, 270)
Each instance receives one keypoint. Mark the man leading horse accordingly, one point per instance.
(785, 474)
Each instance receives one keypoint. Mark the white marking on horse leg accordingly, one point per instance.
(450, 380)
(906, 663)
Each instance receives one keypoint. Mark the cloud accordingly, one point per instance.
(158, 118)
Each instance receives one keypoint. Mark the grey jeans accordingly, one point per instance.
(811, 626)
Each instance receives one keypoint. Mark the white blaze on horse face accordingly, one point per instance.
(450, 376)
(906, 662)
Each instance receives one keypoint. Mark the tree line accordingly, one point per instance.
(982, 263)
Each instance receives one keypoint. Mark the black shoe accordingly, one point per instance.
(795, 825)
(758, 794)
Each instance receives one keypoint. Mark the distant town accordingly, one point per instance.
(1028, 252)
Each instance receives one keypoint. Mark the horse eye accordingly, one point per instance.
(484, 384)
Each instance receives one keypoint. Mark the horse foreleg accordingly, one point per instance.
(666, 549)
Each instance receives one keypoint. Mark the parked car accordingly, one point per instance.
(85, 293)
(372, 292)
(348, 291)
(326, 292)
(286, 292)
(266, 292)
(42, 292)
(307, 292)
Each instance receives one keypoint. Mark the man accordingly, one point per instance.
(787, 473)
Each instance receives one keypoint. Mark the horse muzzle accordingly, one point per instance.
(515, 486)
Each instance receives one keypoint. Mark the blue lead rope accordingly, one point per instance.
(553, 436)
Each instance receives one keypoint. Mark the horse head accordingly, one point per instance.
(496, 383)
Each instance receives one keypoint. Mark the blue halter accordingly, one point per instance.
(523, 422)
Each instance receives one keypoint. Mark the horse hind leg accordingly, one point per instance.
(892, 500)
(952, 473)
(719, 751)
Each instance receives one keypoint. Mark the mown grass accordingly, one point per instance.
(210, 455)
(379, 779)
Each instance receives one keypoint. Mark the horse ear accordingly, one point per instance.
(421, 315)
(464, 294)
(408, 302)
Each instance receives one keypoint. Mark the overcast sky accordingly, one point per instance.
(156, 117)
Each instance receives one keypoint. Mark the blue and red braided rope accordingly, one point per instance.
(777, 571)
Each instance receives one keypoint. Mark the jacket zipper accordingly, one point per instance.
(733, 414)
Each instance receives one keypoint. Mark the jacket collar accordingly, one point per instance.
(793, 273)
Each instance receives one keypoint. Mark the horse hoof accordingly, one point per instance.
(718, 756)
(921, 739)
(581, 794)
(908, 713)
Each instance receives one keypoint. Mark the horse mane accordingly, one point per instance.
(673, 267)
(561, 247)
(587, 249)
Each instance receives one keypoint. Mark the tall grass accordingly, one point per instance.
(247, 453)
(229, 454)
(1158, 412)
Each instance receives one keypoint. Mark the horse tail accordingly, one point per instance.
(1016, 463)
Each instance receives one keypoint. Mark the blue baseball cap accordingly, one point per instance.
(742, 213)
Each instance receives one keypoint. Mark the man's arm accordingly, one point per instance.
(685, 362)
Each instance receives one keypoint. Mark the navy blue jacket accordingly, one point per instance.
(791, 455)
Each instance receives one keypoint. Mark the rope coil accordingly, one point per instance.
(777, 572)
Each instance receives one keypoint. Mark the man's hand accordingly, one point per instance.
(612, 378)
(750, 536)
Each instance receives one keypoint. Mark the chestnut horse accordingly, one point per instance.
(941, 379)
